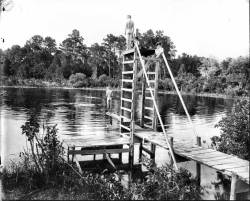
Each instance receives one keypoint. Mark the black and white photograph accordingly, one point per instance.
(124, 100)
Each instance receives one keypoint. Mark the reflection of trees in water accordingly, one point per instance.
(18, 98)
(171, 103)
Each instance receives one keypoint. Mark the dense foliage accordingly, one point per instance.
(235, 131)
(41, 59)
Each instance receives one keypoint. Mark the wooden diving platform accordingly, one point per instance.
(224, 163)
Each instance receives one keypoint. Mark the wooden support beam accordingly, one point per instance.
(143, 101)
(73, 154)
(78, 165)
(110, 161)
(234, 179)
(120, 157)
(131, 146)
(155, 119)
(98, 151)
(198, 165)
(172, 145)
(153, 148)
(68, 155)
(147, 150)
(140, 151)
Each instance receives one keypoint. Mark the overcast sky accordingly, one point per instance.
(217, 28)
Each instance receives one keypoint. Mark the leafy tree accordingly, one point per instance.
(76, 54)
(35, 43)
(114, 46)
(234, 138)
(50, 44)
(149, 39)
(208, 67)
(73, 46)
(238, 74)
(99, 60)
(13, 57)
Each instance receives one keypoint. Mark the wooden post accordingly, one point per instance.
(152, 156)
(120, 157)
(140, 151)
(233, 187)
(143, 101)
(110, 120)
(132, 123)
(68, 155)
(157, 67)
(131, 146)
(73, 155)
(172, 145)
(198, 166)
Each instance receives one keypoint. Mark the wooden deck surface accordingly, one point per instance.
(222, 162)
(94, 141)
(227, 164)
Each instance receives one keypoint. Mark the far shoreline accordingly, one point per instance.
(211, 95)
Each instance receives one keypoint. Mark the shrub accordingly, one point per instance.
(78, 80)
(103, 80)
(235, 133)
(164, 183)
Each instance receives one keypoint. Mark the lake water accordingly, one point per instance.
(77, 111)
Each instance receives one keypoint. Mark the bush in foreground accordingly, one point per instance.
(235, 131)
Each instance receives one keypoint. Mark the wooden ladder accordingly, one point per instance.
(127, 108)
(148, 116)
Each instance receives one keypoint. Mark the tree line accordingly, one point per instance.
(101, 64)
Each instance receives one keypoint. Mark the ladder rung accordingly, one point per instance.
(151, 81)
(124, 108)
(127, 72)
(149, 97)
(126, 89)
(151, 89)
(127, 80)
(125, 118)
(147, 117)
(126, 99)
(128, 62)
(125, 127)
(148, 126)
(151, 73)
(149, 108)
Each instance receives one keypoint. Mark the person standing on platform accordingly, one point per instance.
(108, 97)
(129, 32)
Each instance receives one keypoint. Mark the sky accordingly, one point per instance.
(210, 28)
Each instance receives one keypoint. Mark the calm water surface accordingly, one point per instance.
(77, 112)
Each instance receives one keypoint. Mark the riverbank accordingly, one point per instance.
(51, 86)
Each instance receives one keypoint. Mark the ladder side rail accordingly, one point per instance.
(156, 108)
(132, 117)
(121, 111)
(143, 101)
(179, 94)
(156, 93)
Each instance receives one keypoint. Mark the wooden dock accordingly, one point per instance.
(224, 163)
(129, 133)
(227, 164)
